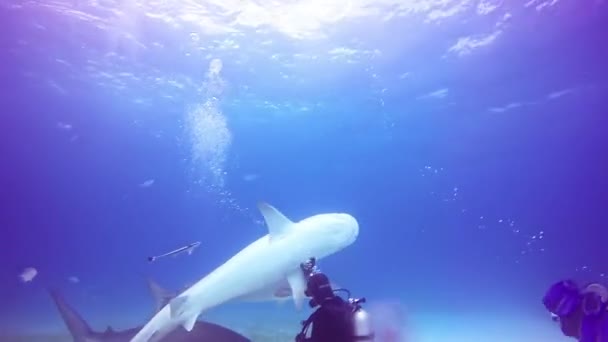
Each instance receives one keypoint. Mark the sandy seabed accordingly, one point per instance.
(422, 328)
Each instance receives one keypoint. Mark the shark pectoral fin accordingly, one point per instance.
(189, 323)
(276, 222)
(177, 306)
(297, 282)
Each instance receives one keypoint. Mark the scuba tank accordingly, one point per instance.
(361, 321)
(594, 324)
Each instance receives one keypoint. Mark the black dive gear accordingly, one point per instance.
(580, 312)
(336, 319)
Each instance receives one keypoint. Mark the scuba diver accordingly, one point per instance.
(336, 319)
(581, 313)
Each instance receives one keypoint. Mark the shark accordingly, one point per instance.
(278, 293)
(82, 332)
(262, 264)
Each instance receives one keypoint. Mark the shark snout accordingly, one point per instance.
(349, 226)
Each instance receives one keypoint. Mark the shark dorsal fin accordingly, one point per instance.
(276, 222)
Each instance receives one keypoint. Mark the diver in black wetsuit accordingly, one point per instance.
(581, 313)
(336, 319)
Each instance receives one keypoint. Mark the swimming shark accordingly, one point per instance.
(262, 264)
(278, 293)
(81, 332)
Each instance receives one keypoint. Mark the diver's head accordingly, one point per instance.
(563, 301)
(319, 288)
(562, 298)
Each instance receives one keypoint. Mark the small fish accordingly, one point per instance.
(147, 183)
(28, 274)
(186, 249)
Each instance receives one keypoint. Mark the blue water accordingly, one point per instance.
(468, 138)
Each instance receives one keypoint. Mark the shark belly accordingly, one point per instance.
(258, 266)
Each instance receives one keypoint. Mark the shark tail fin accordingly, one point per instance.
(77, 326)
(161, 296)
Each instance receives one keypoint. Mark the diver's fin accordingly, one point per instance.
(297, 282)
(177, 306)
(276, 222)
(189, 323)
(161, 296)
(77, 326)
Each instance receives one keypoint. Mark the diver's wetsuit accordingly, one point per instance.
(595, 328)
(332, 322)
